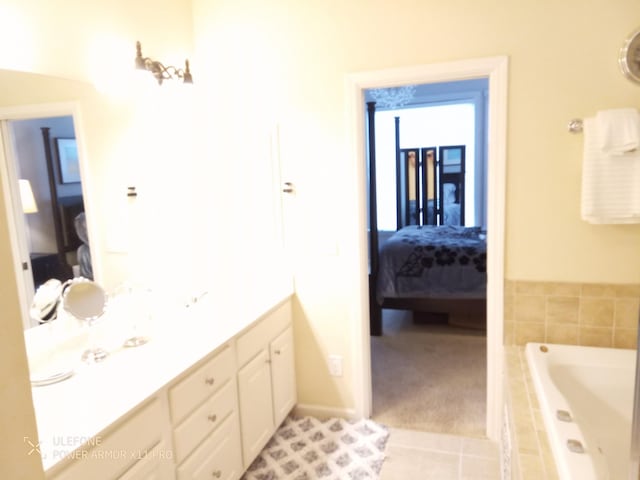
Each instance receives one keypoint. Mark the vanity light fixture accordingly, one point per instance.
(159, 71)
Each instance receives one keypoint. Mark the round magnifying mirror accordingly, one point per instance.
(86, 301)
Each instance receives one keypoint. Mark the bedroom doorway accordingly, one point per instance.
(495, 69)
(427, 163)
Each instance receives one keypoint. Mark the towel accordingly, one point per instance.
(619, 130)
(610, 183)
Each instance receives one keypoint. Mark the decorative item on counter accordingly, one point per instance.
(86, 301)
(134, 305)
(44, 307)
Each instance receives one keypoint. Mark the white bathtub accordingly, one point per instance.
(595, 386)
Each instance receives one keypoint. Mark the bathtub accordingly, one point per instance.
(586, 398)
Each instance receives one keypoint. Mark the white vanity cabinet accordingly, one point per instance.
(266, 379)
(206, 435)
(203, 414)
(137, 447)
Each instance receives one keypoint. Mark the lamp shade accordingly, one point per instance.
(26, 197)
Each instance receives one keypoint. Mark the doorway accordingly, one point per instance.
(428, 351)
(495, 69)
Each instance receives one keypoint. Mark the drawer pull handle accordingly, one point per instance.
(209, 380)
(217, 474)
(212, 418)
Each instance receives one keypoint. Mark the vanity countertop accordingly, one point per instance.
(72, 412)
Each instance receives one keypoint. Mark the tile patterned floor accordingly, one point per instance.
(415, 455)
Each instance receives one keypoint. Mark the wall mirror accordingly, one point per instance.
(43, 182)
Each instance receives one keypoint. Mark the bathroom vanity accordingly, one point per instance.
(200, 400)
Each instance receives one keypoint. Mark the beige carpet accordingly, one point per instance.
(429, 377)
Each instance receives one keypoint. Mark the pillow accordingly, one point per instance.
(449, 193)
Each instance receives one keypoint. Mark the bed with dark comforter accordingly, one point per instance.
(428, 261)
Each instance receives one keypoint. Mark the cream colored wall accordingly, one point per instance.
(285, 61)
(17, 423)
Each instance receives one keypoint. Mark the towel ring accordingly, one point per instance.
(575, 125)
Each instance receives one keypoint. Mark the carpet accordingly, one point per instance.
(335, 449)
(430, 378)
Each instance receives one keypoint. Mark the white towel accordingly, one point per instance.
(610, 184)
(619, 130)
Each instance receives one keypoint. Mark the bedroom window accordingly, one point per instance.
(440, 119)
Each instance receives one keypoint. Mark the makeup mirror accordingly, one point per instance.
(86, 301)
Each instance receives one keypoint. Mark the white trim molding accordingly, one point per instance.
(320, 411)
(496, 70)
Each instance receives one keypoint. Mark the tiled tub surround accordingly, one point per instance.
(530, 454)
(598, 315)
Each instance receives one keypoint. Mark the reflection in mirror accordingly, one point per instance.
(56, 228)
(44, 307)
(49, 222)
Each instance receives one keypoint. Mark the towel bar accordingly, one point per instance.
(575, 125)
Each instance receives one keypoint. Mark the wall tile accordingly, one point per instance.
(530, 288)
(571, 313)
(596, 311)
(625, 338)
(626, 312)
(529, 308)
(596, 336)
(563, 289)
(598, 290)
(562, 309)
(563, 334)
(627, 291)
(529, 332)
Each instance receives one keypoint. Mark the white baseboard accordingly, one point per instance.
(320, 411)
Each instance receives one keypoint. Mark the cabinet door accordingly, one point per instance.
(256, 413)
(283, 376)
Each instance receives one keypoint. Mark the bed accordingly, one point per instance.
(433, 262)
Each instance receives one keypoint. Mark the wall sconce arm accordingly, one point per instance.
(159, 71)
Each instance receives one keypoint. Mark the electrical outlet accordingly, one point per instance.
(335, 365)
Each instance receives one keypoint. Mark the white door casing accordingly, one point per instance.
(496, 70)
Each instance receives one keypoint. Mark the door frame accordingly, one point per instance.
(496, 70)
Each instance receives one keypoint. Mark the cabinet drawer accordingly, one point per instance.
(261, 333)
(204, 420)
(119, 449)
(157, 464)
(199, 385)
(218, 457)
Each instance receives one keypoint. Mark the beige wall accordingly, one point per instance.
(17, 422)
(285, 62)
